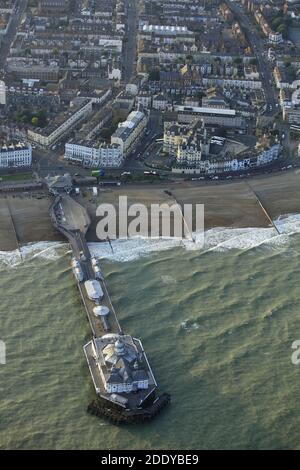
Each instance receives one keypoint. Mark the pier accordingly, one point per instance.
(72, 220)
(111, 355)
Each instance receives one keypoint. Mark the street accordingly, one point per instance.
(129, 49)
(19, 8)
(264, 68)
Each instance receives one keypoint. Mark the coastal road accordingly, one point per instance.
(18, 11)
(257, 45)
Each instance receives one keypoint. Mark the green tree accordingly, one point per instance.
(276, 22)
(105, 133)
(42, 117)
(283, 30)
(154, 75)
(35, 121)
(238, 60)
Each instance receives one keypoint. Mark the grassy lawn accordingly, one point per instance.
(16, 177)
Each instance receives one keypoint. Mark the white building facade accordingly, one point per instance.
(275, 38)
(15, 155)
(215, 165)
(2, 93)
(130, 132)
(94, 156)
(52, 133)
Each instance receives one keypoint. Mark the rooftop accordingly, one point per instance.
(8, 147)
(201, 110)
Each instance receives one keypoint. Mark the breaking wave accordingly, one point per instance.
(216, 239)
(46, 250)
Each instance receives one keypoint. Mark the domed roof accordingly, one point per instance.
(119, 347)
(101, 311)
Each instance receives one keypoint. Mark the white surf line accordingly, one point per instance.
(220, 244)
(8, 258)
(237, 237)
(39, 253)
(266, 241)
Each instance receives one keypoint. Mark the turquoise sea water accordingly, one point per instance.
(217, 325)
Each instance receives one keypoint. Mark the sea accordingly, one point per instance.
(217, 322)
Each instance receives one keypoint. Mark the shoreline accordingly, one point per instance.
(25, 216)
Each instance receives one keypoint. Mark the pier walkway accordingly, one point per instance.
(73, 221)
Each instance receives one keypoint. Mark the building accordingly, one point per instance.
(193, 149)
(174, 135)
(114, 73)
(61, 126)
(93, 154)
(53, 6)
(144, 99)
(222, 117)
(213, 101)
(2, 93)
(159, 102)
(22, 69)
(165, 34)
(125, 101)
(292, 115)
(275, 38)
(130, 131)
(232, 82)
(111, 43)
(194, 164)
(121, 363)
(251, 72)
(96, 154)
(132, 89)
(15, 155)
(281, 80)
(59, 183)
(120, 369)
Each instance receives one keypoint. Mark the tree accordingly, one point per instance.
(35, 121)
(283, 30)
(42, 118)
(238, 60)
(200, 94)
(105, 133)
(154, 75)
(276, 22)
(253, 61)
(222, 132)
